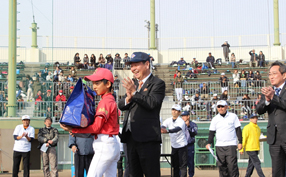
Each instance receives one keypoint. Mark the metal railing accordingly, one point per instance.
(235, 89)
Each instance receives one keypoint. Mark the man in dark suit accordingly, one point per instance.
(141, 128)
(273, 101)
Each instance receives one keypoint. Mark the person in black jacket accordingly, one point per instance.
(261, 59)
(205, 91)
(226, 51)
(273, 102)
(92, 60)
(141, 128)
(77, 61)
(48, 136)
(109, 59)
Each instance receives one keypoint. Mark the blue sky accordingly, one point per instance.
(125, 18)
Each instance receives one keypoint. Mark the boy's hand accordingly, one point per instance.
(239, 146)
(163, 130)
(208, 146)
(241, 153)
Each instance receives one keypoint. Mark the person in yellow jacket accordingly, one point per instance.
(250, 142)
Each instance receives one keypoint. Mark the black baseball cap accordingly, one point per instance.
(138, 57)
(185, 113)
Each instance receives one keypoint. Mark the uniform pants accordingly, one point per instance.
(253, 162)
(179, 93)
(81, 163)
(143, 158)
(29, 94)
(16, 163)
(50, 159)
(191, 162)
(106, 155)
(227, 161)
(179, 158)
(278, 153)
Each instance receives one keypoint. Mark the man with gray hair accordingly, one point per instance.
(48, 137)
(253, 58)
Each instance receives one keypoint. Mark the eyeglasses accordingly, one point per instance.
(219, 106)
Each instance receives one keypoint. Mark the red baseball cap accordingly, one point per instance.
(100, 74)
(60, 91)
(71, 87)
(48, 90)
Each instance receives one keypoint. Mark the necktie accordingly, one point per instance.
(277, 91)
(140, 85)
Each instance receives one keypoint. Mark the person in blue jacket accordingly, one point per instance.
(191, 132)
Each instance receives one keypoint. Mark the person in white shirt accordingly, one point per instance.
(226, 127)
(175, 126)
(236, 78)
(23, 135)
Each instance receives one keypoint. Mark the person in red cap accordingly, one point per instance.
(59, 98)
(105, 127)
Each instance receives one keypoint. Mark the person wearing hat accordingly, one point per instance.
(116, 83)
(117, 60)
(176, 128)
(105, 127)
(190, 132)
(126, 59)
(194, 63)
(225, 50)
(253, 58)
(182, 61)
(23, 135)
(60, 98)
(109, 59)
(223, 82)
(210, 60)
(225, 126)
(48, 136)
(251, 145)
(141, 127)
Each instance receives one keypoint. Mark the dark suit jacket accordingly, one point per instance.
(277, 115)
(145, 109)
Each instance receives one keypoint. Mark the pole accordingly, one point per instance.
(276, 23)
(152, 24)
(34, 35)
(12, 58)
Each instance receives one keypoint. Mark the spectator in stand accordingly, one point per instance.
(26, 82)
(93, 60)
(258, 99)
(30, 91)
(194, 63)
(224, 96)
(196, 101)
(38, 98)
(176, 73)
(57, 86)
(261, 59)
(205, 91)
(232, 60)
(116, 83)
(101, 61)
(77, 61)
(108, 66)
(179, 86)
(85, 61)
(126, 59)
(250, 77)
(45, 72)
(57, 73)
(70, 78)
(247, 104)
(225, 46)
(20, 103)
(44, 87)
(117, 60)
(223, 82)
(187, 107)
(257, 79)
(37, 86)
(48, 98)
(50, 75)
(236, 78)
(109, 59)
(215, 98)
(182, 61)
(40, 77)
(253, 58)
(60, 98)
(243, 77)
(61, 77)
(73, 72)
(49, 112)
(191, 74)
(210, 60)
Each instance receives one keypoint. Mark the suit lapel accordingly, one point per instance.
(283, 90)
(147, 83)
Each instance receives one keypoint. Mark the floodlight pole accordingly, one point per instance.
(152, 24)
(12, 53)
(276, 23)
